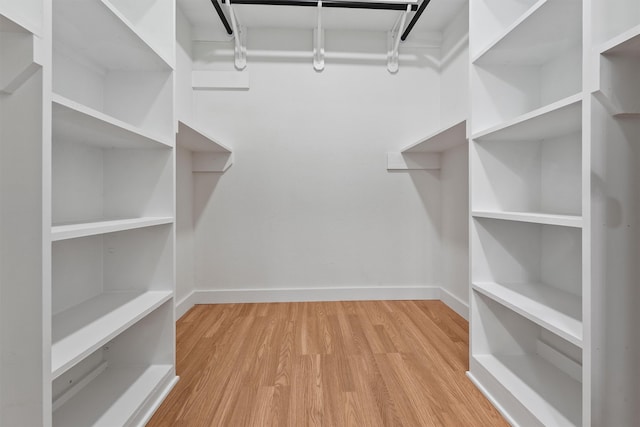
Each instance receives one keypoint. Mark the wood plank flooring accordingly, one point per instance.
(374, 363)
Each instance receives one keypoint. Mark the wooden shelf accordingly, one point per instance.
(95, 30)
(558, 311)
(627, 44)
(114, 397)
(548, 29)
(552, 396)
(83, 229)
(74, 122)
(533, 217)
(80, 330)
(559, 118)
(20, 53)
(192, 139)
(442, 140)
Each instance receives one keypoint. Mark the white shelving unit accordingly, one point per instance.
(526, 157)
(112, 232)
(24, 126)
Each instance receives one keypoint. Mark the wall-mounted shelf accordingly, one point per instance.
(73, 231)
(442, 140)
(557, 311)
(20, 53)
(425, 154)
(209, 154)
(532, 217)
(75, 122)
(627, 43)
(82, 329)
(556, 119)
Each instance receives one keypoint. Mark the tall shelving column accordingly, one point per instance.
(24, 129)
(113, 210)
(526, 223)
(614, 133)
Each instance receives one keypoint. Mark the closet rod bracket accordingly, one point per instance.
(239, 36)
(393, 41)
(318, 42)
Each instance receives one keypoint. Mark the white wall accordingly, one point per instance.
(454, 173)
(308, 202)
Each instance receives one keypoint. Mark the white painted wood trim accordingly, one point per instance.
(454, 303)
(211, 80)
(185, 304)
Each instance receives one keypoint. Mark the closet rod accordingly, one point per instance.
(223, 18)
(337, 4)
(421, 9)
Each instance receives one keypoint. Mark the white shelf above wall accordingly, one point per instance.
(560, 118)
(74, 122)
(209, 154)
(547, 29)
(75, 230)
(21, 53)
(627, 43)
(80, 330)
(425, 154)
(442, 140)
(559, 312)
(114, 397)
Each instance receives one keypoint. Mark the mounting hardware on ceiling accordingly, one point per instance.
(397, 34)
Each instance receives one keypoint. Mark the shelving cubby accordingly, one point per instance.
(537, 61)
(534, 269)
(100, 61)
(530, 168)
(23, 128)
(133, 370)
(102, 285)
(536, 374)
(209, 155)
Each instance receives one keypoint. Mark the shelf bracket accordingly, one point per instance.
(239, 37)
(318, 42)
(393, 41)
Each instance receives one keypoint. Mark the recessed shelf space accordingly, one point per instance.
(491, 20)
(525, 264)
(117, 383)
(559, 312)
(546, 31)
(619, 69)
(531, 170)
(514, 357)
(94, 184)
(74, 122)
(82, 329)
(442, 140)
(20, 53)
(209, 155)
(75, 230)
(100, 62)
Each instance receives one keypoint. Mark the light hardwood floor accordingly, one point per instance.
(378, 363)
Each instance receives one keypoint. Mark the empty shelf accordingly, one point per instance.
(442, 140)
(82, 329)
(533, 217)
(558, 311)
(114, 397)
(72, 231)
(190, 138)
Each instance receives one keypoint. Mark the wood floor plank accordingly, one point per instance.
(373, 364)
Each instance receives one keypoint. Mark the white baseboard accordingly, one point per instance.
(222, 296)
(185, 304)
(227, 296)
(455, 303)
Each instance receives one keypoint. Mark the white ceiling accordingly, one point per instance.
(203, 17)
